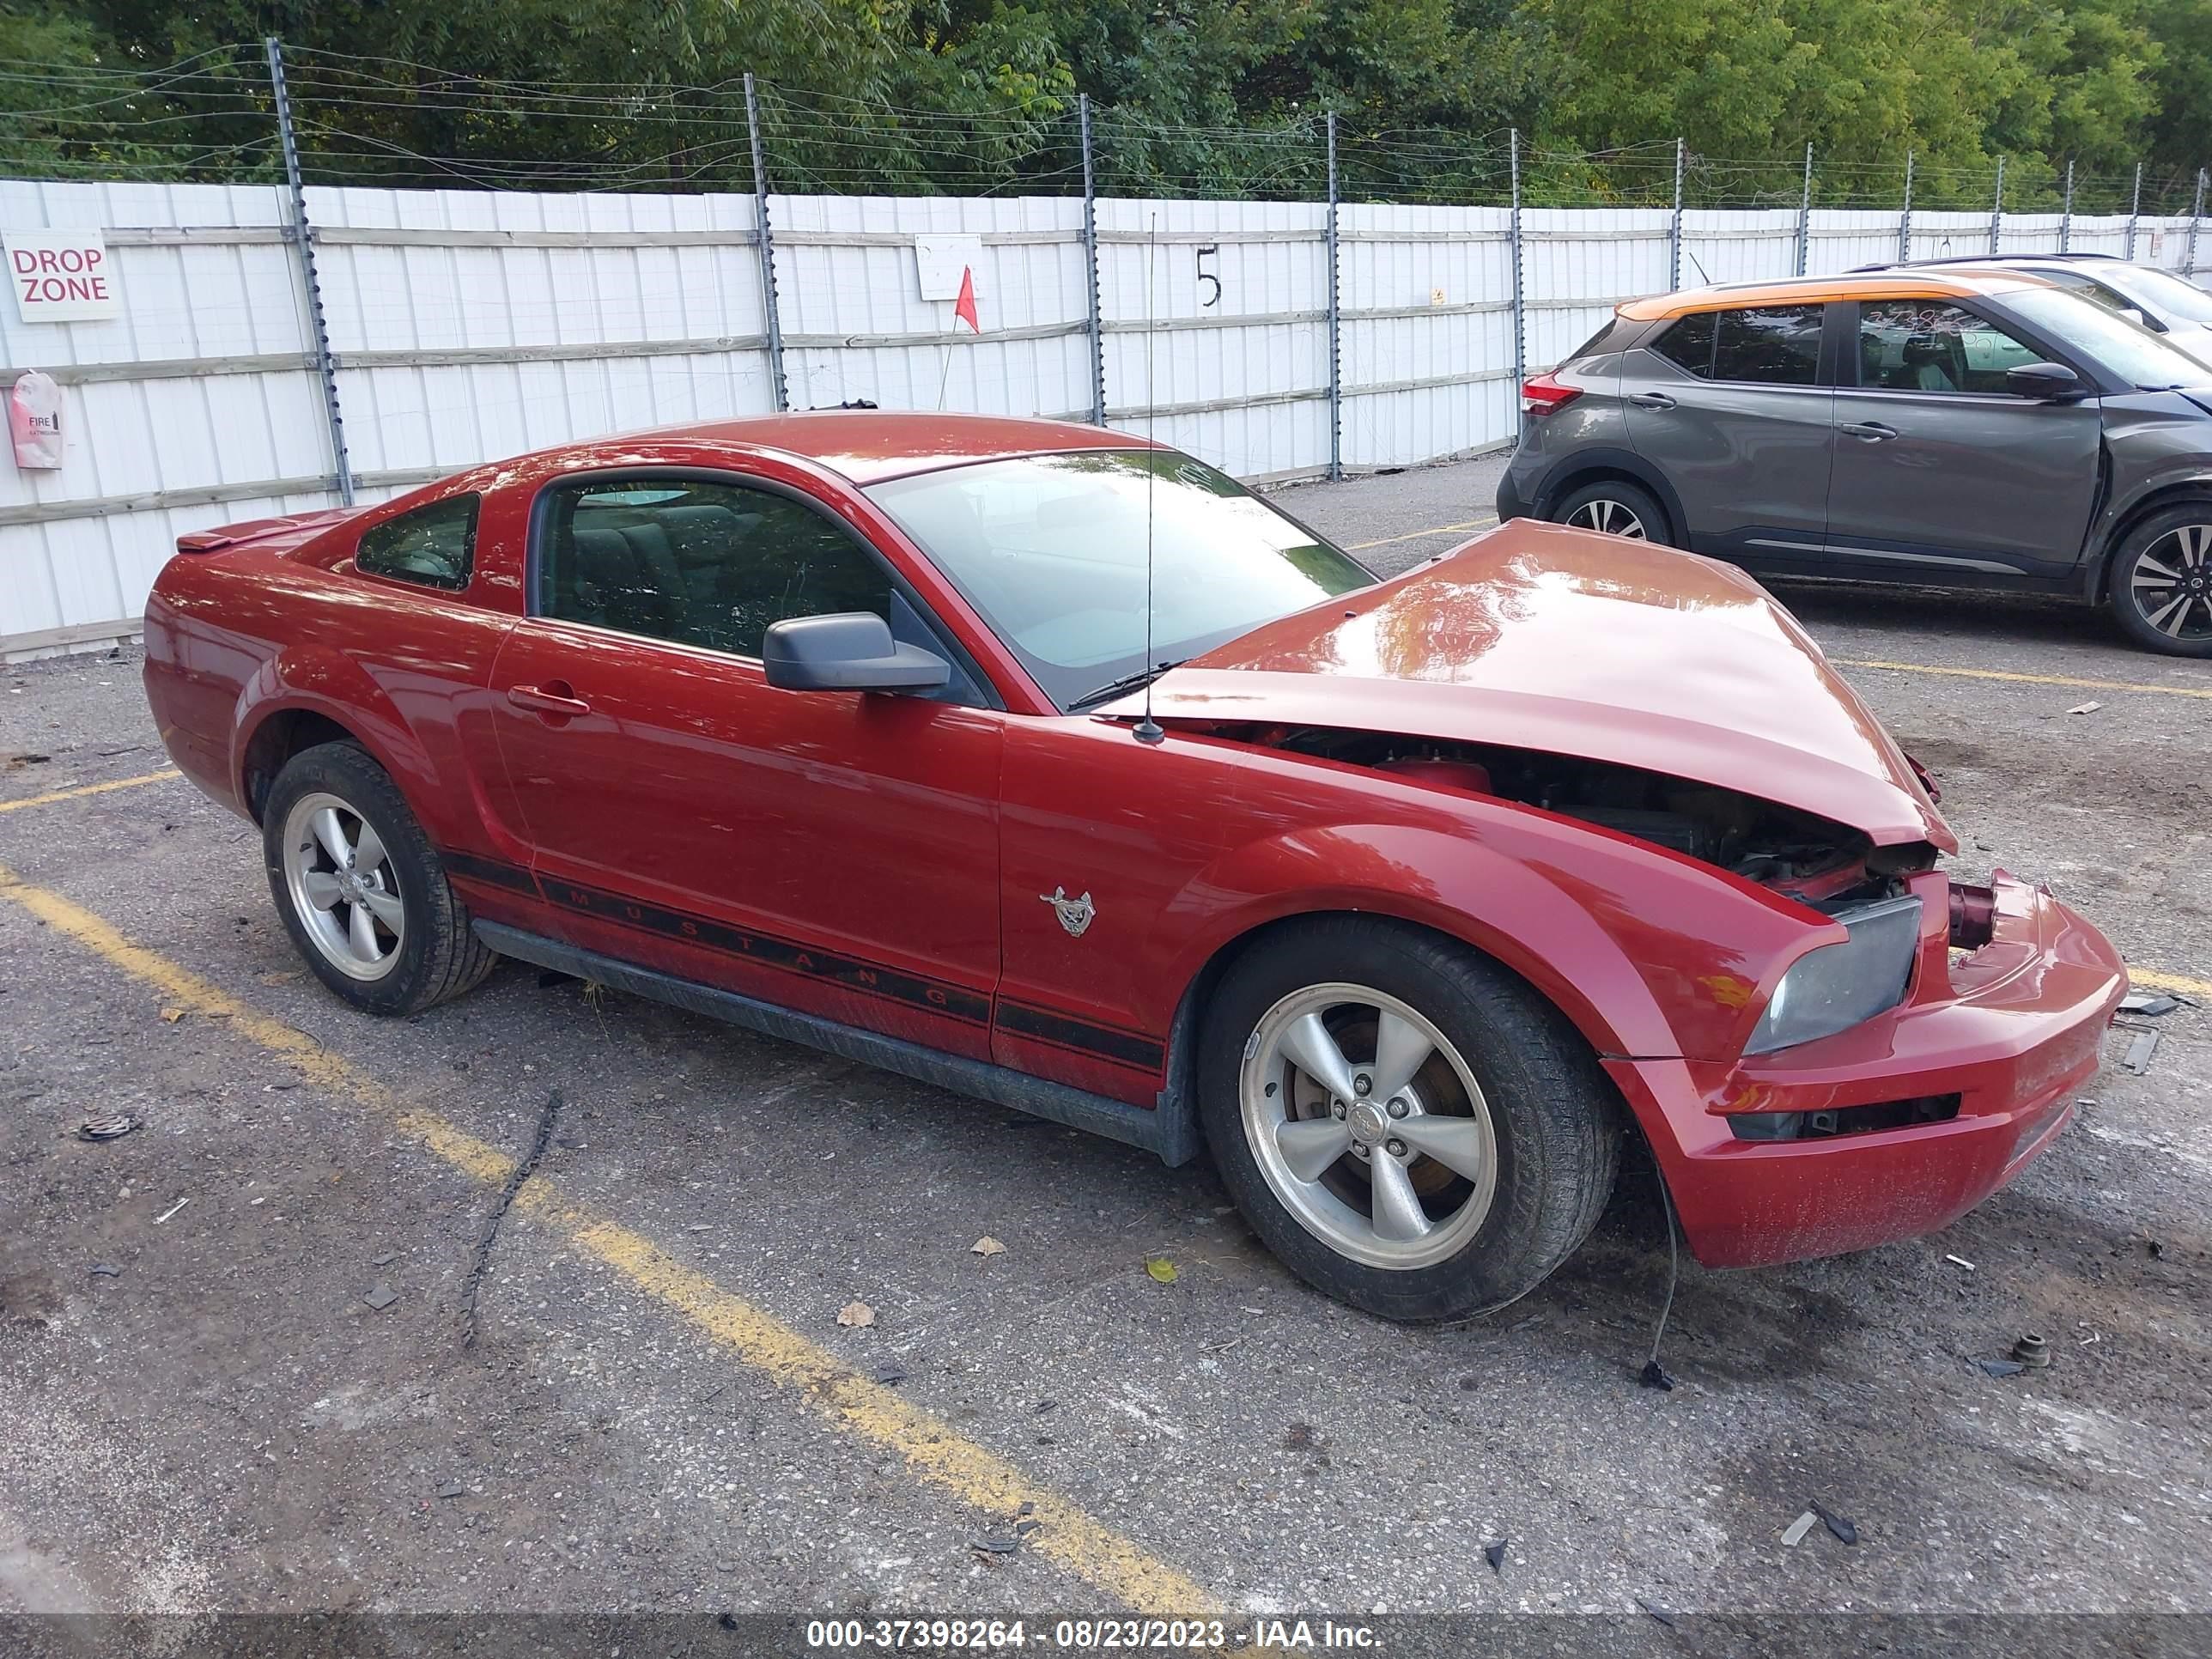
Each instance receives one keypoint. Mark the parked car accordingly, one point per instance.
(2156, 298)
(1926, 425)
(858, 729)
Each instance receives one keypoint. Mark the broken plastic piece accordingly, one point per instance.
(380, 1296)
(2001, 1367)
(105, 1270)
(2138, 1059)
(1495, 1554)
(452, 1489)
(1654, 1375)
(997, 1545)
(1836, 1524)
(1660, 1614)
(891, 1375)
(2150, 1003)
(109, 1126)
(1961, 1262)
(1803, 1524)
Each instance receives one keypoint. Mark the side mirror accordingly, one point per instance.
(853, 651)
(2050, 383)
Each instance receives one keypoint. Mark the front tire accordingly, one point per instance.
(1409, 1127)
(2161, 581)
(1613, 506)
(360, 889)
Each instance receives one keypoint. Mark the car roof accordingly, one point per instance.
(866, 445)
(1907, 284)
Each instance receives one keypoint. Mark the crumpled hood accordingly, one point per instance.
(1536, 636)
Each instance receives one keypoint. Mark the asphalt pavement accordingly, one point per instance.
(232, 1367)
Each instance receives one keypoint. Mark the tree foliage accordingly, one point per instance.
(978, 93)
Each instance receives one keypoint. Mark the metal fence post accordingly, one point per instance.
(302, 235)
(1674, 231)
(1336, 354)
(1905, 216)
(1091, 262)
(2196, 217)
(2066, 211)
(1513, 240)
(2134, 211)
(1805, 215)
(768, 317)
(1997, 213)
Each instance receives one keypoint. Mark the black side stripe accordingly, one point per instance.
(1063, 1031)
(954, 1001)
(492, 872)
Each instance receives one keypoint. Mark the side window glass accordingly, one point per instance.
(698, 562)
(1689, 344)
(1769, 345)
(434, 545)
(1922, 345)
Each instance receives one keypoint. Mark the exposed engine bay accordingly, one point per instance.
(1825, 864)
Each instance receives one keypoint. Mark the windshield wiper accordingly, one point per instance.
(1128, 683)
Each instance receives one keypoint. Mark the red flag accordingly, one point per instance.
(964, 307)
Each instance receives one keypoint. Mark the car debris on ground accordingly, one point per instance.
(856, 1316)
(2033, 1352)
(108, 1126)
(2138, 1058)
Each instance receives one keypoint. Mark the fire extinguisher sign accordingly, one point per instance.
(61, 275)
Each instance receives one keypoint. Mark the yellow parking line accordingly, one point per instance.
(1423, 535)
(48, 798)
(2149, 979)
(2066, 680)
(931, 1447)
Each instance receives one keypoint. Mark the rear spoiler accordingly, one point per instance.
(292, 530)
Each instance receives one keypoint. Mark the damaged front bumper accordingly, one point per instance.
(1897, 1126)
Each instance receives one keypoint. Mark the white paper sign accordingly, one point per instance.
(942, 258)
(61, 275)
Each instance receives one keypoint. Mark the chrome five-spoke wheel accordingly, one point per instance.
(1368, 1126)
(2171, 584)
(1609, 517)
(343, 886)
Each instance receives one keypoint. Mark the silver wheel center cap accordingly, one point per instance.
(1367, 1123)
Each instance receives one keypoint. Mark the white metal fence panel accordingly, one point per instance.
(1234, 367)
(855, 326)
(469, 325)
(1727, 245)
(1425, 295)
(1577, 266)
(199, 387)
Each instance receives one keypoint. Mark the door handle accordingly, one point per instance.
(554, 698)
(1651, 400)
(1868, 432)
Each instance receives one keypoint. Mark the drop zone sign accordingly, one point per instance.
(61, 275)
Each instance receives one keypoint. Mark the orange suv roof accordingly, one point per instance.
(1814, 290)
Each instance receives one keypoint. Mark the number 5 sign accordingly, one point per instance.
(61, 275)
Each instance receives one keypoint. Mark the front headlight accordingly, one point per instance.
(1834, 987)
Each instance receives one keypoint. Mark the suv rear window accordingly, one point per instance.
(1758, 345)
(434, 545)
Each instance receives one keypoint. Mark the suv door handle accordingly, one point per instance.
(1868, 432)
(554, 699)
(1650, 400)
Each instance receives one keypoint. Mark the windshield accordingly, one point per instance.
(1050, 549)
(2169, 295)
(2136, 354)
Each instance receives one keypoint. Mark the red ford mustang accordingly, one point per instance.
(1409, 898)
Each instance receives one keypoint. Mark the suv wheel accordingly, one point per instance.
(1410, 1128)
(1615, 507)
(2161, 581)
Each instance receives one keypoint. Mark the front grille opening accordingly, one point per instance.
(1845, 1120)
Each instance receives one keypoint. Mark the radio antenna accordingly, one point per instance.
(1148, 729)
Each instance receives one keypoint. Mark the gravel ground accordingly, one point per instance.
(223, 1423)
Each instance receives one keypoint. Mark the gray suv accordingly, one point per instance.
(1961, 427)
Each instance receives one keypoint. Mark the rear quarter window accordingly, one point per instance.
(434, 546)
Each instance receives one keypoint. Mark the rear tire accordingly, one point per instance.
(360, 889)
(1467, 1143)
(2161, 587)
(1613, 506)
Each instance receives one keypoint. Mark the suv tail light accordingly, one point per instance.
(1541, 394)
